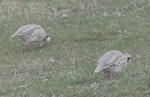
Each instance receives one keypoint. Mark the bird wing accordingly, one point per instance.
(102, 62)
(106, 67)
(26, 29)
(114, 58)
(111, 62)
(29, 30)
(20, 30)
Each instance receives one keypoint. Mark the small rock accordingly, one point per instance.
(64, 15)
(51, 60)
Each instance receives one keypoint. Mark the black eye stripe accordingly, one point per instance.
(129, 59)
(46, 37)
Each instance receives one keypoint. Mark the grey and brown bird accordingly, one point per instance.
(31, 33)
(112, 62)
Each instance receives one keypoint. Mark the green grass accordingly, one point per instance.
(91, 28)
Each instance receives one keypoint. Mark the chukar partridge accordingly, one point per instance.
(31, 33)
(112, 62)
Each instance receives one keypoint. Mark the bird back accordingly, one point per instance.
(101, 63)
(20, 30)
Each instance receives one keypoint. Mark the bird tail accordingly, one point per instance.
(14, 35)
(98, 70)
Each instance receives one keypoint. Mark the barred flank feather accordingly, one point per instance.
(121, 64)
(38, 35)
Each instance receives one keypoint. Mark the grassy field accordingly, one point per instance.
(81, 31)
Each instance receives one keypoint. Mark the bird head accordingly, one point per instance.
(129, 57)
(47, 40)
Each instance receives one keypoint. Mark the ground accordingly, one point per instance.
(81, 31)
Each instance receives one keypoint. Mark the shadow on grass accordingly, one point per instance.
(95, 38)
(40, 47)
(86, 80)
(34, 47)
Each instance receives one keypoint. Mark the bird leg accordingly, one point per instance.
(26, 45)
(107, 74)
(29, 47)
